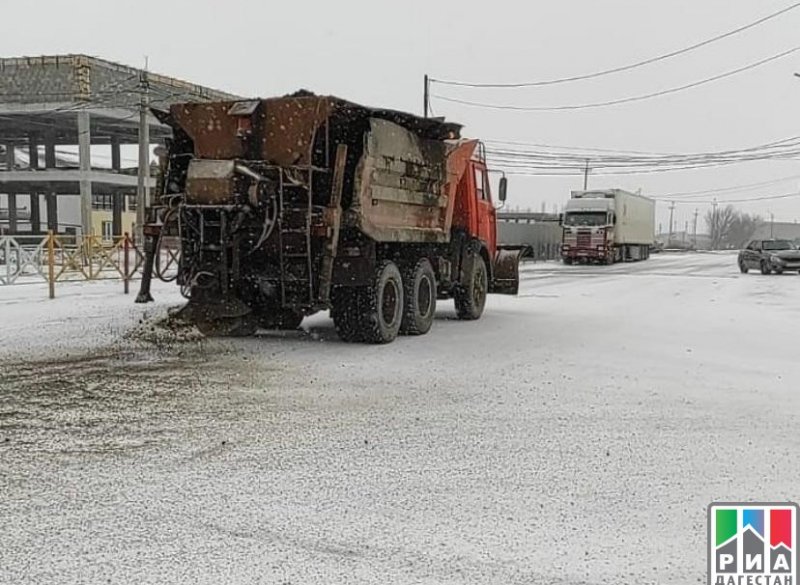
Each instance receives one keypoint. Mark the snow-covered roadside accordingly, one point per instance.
(83, 316)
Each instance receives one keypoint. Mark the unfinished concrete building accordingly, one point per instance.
(69, 139)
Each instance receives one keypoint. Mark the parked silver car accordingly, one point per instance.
(770, 256)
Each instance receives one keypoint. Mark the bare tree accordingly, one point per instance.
(719, 221)
(742, 230)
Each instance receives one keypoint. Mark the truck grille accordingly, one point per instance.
(584, 239)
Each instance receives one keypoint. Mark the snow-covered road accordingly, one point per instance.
(575, 434)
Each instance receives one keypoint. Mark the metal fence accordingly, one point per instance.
(65, 258)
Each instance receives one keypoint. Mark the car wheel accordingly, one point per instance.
(743, 267)
(765, 269)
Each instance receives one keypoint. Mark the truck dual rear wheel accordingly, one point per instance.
(419, 298)
(372, 313)
(384, 304)
(471, 298)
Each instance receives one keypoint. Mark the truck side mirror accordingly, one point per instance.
(503, 189)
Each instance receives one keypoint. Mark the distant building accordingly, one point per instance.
(63, 123)
(539, 231)
(778, 230)
(685, 240)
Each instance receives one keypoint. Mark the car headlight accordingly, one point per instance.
(777, 259)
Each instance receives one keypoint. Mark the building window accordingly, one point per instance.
(108, 231)
(130, 202)
(102, 202)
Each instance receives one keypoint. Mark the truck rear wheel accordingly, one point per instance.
(471, 299)
(419, 298)
(384, 305)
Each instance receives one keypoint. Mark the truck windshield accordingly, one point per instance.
(585, 218)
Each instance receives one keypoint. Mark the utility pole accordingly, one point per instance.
(586, 176)
(143, 184)
(771, 225)
(696, 213)
(671, 212)
(426, 95)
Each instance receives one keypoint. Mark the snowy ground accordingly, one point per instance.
(573, 435)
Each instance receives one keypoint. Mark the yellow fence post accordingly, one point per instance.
(51, 264)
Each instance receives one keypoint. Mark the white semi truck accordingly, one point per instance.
(607, 226)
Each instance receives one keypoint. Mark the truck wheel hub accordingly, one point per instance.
(389, 303)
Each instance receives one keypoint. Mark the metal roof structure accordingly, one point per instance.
(80, 102)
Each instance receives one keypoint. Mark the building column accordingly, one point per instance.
(116, 159)
(12, 212)
(11, 197)
(117, 199)
(84, 155)
(36, 216)
(50, 151)
(33, 150)
(10, 158)
(51, 202)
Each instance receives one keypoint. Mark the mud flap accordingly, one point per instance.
(228, 307)
(505, 279)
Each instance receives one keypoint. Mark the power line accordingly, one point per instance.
(781, 147)
(733, 189)
(621, 100)
(743, 200)
(539, 163)
(583, 152)
(624, 67)
(577, 170)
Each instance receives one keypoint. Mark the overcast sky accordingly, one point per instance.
(376, 53)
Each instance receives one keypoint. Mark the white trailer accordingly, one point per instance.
(608, 226)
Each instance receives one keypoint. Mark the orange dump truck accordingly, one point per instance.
(292, 205)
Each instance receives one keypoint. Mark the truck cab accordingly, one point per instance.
(588, 229)
(475, 211)
(607, 226)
